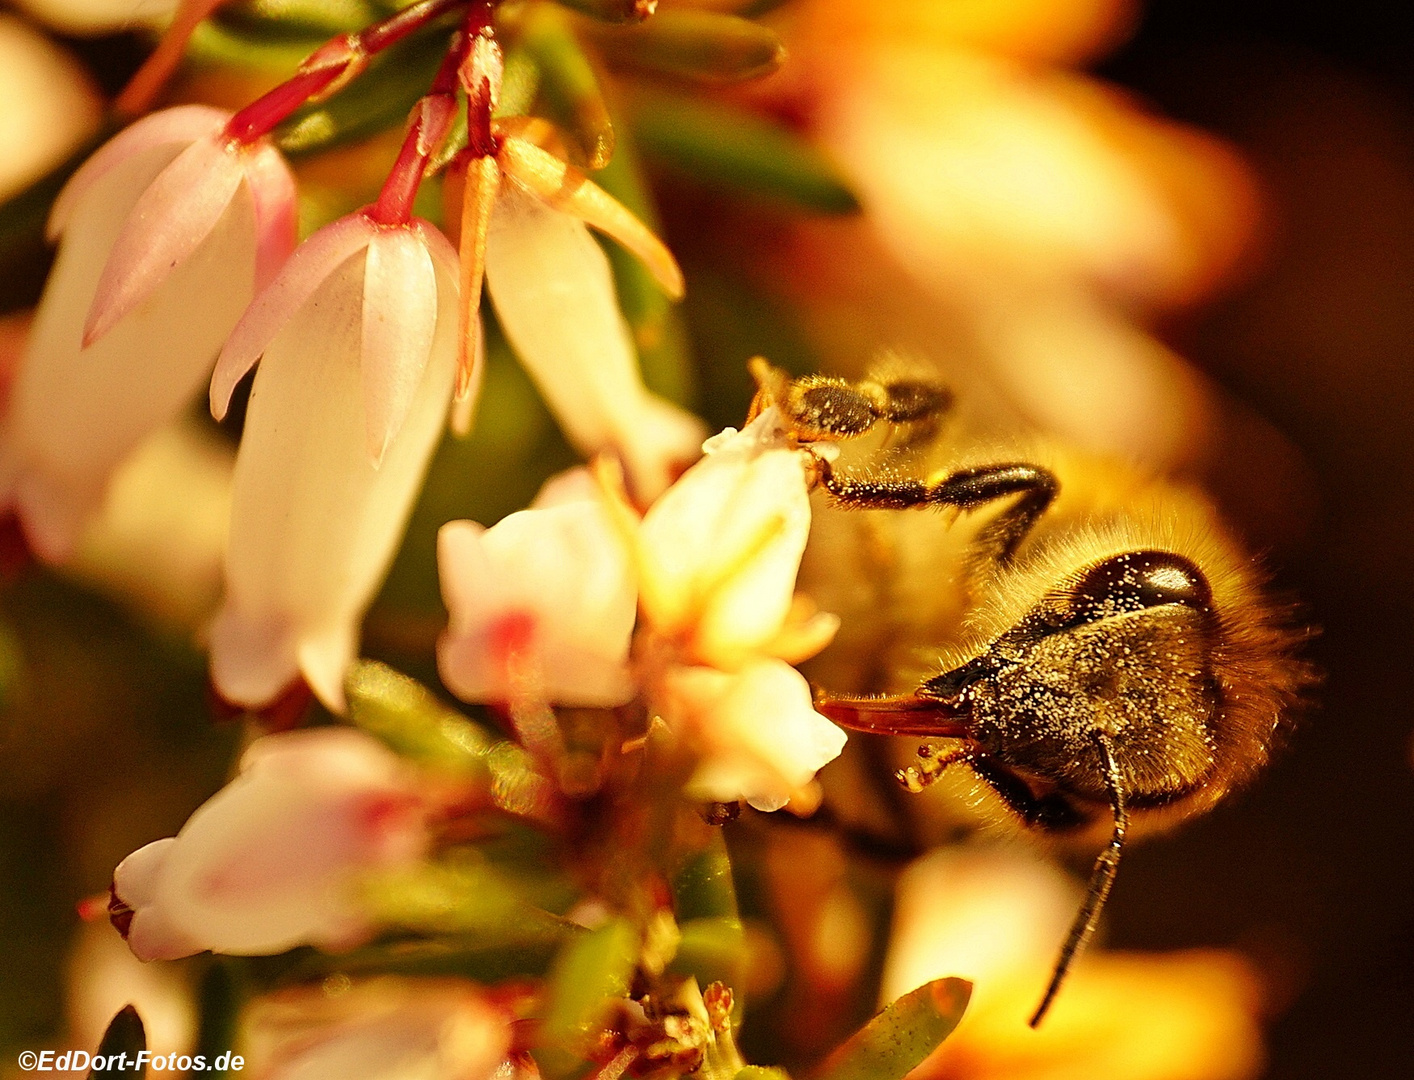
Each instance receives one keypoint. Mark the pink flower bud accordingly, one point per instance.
(272, 860)
(166, 232)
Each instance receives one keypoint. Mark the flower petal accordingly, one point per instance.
(399, 319)
(380, 1029)
(757, 736)
(137, 883)
(51, 106)
(561, 185)
(170, 127)
(468, 388)
(559, 570)
(272, 187)
(307, 269)
(719, 552)
(270, 860)
(75, 414)
(171, 219)
(479, 189)
(540, 261)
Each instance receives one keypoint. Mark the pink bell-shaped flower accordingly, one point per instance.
(546, 597)
(166, 233)
(359, 338)
(272, 860)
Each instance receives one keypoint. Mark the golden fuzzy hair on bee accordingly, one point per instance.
(1254, 661)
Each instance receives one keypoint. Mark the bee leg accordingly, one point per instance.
(930, 766)
(915, 408)
(823, 407)
(1102, 878)
(968, 489)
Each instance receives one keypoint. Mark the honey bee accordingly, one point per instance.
(1109, 658)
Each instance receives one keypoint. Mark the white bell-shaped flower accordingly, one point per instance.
(554, 294)
(273, 859)
(754, 731)
(719, 552)
(380, 1029)
(166, 233)
(359, 342)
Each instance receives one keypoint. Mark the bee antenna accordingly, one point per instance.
(1102, 879)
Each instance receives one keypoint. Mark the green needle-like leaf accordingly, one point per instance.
(409, 718)
(589, 974)
(700, 45)
(470, 957)
(703, 886)
(896, 1041)
(724, 146)
(466, 898)
(713, 949)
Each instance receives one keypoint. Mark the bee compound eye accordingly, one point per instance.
(1135, 581)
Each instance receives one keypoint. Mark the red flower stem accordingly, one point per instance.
(330, 63)
(261, 115)
(394, 28)
(431, 119)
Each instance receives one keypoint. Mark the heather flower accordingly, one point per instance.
(718, 553)
(432, 1029)
(717, 559)
(544, 600)
(273, 859)
(754, 731)
(358, 336)
(526, 220)
(541, 260)
(166, 232)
